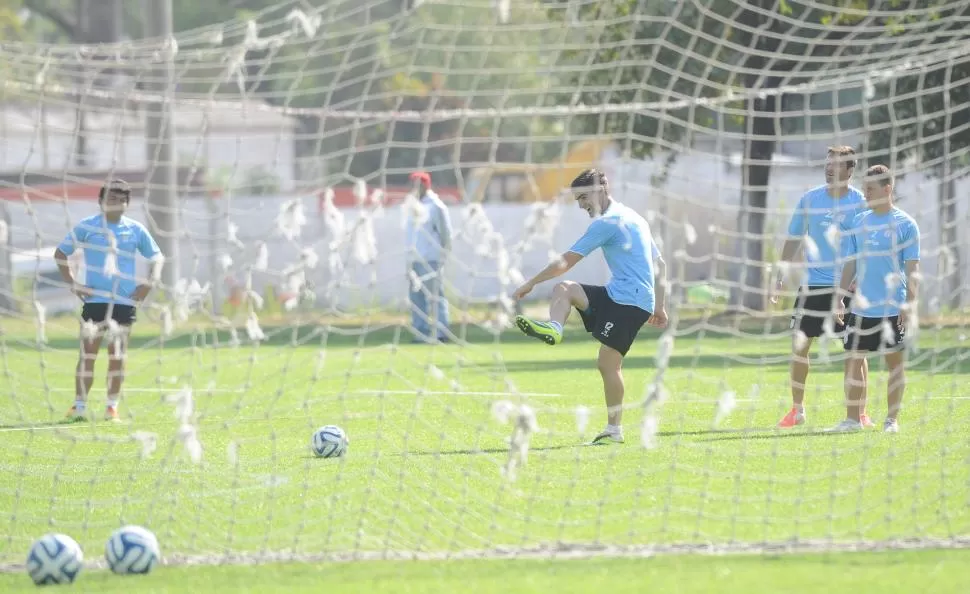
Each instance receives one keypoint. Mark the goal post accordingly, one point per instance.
(279, 156)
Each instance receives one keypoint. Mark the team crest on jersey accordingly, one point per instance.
(831, 218)
(834, 218)
(875, 236)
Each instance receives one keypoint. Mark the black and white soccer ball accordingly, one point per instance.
(54, 559)
(132, 550)
(329, 441)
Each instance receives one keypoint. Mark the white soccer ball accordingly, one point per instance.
(329, 441)
(54, 559)
(132, 550)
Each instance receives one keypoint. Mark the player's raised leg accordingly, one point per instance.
(565, 296)
(610, 364)
(84, 376)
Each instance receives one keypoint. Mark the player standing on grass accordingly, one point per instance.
(820, 215)
(110, 292)
(429, 237)
(615, 313)
(882, 252)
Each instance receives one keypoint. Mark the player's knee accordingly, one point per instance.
(855, 367)
(610, 362)
(572, 291)
(563, 287)
(895, 363)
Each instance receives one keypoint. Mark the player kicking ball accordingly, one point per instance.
(819, 213)
(613, 314)
(882, 252)
(110, 292)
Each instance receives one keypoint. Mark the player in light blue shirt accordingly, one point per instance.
(818, 225)
(429, 235)
(613, 314)
(111, 289)
(882, 252)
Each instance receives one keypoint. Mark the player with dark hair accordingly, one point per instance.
(614, 313)
(882, 251)
(110, 290)
(818, 223)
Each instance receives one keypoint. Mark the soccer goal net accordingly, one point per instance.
(271, 158)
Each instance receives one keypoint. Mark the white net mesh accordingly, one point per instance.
(294, 135)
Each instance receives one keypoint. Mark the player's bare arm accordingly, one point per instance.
(845, 286)
(912, 292)
(788, 252)
(659, 317)
(154, 274)
(556, 268)
(65, 269)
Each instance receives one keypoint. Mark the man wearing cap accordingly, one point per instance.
(110, 290)
(429, 242)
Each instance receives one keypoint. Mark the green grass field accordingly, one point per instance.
(424, 468)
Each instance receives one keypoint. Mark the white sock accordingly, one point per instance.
(556, 325)
(79, 405)
(113, 402)
(614, 429)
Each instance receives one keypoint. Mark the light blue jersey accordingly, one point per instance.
(429, 236)
(881, 244)
(816, 212)
(91, 236)
(630, 251)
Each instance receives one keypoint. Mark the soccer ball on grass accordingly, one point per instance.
(54, 559)
(329, 441)
(132, 550)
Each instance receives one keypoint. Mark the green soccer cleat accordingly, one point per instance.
(74, 416)
(544, 331)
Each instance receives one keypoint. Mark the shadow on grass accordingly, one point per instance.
(772, 434)
(474, 451)
(722, 435)
(948, 359)
(346, 336)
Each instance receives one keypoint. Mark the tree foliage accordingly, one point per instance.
(924, 114)
(648, 51)
(11, 24)
(457, 57)
(657, 52)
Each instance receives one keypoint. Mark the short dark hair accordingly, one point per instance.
(115, 186)
(881, 174)
(591, 178)
(846, 153)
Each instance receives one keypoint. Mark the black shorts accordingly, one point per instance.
(813, 305)
(611, 323)
(124, 315)
(866, 334)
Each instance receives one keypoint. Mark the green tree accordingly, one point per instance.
(11, 25)
(432, 58)
(448, 56)
(671, 56)
(924, 114)
(658, 53)
(11, 29)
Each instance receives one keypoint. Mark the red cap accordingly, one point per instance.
(424, 176)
